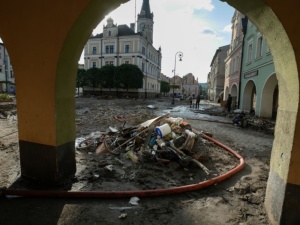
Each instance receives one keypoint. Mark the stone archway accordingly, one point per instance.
(248, 96)
(267, 98)
(46, 112)
(226, 93)
(276, 22)
(234, 94)
(45, 67)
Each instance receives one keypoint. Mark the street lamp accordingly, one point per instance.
(180, 55)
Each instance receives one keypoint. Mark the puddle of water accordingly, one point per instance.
(187, 112)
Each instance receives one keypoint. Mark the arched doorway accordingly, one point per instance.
(226, 93)
(249, 100)
(269, 98)
(234, 94)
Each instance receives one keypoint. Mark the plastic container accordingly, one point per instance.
(176, 121)
(163, 130)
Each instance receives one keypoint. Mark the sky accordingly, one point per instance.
(197, 28)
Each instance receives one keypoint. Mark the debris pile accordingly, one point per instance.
(261, 124)
(161, 140)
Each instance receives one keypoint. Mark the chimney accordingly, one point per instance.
(132, 26)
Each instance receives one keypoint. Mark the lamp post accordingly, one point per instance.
(180, 55)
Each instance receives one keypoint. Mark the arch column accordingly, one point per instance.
(45, 40)
(277, 20)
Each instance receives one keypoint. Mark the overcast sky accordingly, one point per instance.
(195, 27)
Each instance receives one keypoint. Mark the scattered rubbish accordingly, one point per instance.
(151, 107)
(119, 161)
(123, 216)
(163, 130)
(134, 201)
(163, 139)
(114, 130)
(95, 177)
(132, 156)
(122, 208)
(109, 167)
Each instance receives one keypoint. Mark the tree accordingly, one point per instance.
(130, 76)
(93, 76)
(80, 79)
(164, 87)
(107, 74)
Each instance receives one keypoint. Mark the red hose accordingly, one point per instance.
(138, 193)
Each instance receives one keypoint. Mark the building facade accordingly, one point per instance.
(185, 86)
(259, 85)
(119, 44)
(233, 59)
(216, 76)
(190, 85)
(7, 79)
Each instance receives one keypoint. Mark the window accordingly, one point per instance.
(109, 49)
(94, 50)
(109, 63)
(249, 55)
(143, 50)
(0, 55)
(126, 62)
(143, 67)
(109, 33)
(237, 61)
(127, 48)
(259, 47)
(94, 64)
(233, 65)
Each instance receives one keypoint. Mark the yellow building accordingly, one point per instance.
(120, 44)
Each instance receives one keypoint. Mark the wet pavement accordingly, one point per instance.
(185, 112)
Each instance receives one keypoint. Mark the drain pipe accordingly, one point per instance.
(136, 193)
(244, 29)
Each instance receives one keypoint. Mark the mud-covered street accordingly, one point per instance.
(237, 200)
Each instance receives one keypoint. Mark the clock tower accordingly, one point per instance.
(145, 22)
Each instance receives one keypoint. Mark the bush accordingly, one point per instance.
(4, 97)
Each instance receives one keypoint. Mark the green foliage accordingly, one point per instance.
(164, 87)
(107, 74)
(4, 96)
(93, 77)
(81, 78)
(130, 76)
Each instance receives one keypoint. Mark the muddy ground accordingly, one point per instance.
(238, 200)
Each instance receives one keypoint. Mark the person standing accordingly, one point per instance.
(197, 101)
(191, 101)
(229, 102)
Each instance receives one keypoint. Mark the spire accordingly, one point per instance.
(145, 10)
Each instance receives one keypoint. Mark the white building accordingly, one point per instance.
(216, 76)
(119, 44)
(7, 80)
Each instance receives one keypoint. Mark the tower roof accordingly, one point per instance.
(145, 10)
